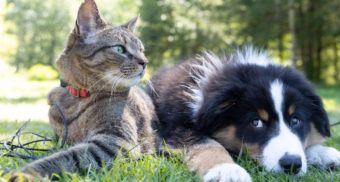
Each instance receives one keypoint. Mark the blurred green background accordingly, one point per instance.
(302, 33)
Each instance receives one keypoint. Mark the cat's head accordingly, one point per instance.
(99, 56)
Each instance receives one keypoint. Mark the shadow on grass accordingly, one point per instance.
(329, 91)
(18, 100)
(10, 127)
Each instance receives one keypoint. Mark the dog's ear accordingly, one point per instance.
(319, 116)
(217, 108)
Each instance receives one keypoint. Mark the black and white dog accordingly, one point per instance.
(212, 107)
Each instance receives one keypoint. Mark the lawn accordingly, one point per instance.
(21, 100)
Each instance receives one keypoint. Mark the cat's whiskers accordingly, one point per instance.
(153, 91)
(102, 80)
(105, 77)
(101, 77)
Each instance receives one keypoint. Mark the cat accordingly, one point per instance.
(107, 114)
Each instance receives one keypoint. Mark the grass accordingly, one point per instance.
(21, 100)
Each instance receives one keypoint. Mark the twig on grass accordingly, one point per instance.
(18, 149)
(336, 123)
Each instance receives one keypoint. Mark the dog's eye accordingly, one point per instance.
(119, 49)
(257, 123)
(294, 122)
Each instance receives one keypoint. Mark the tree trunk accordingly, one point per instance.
(310, 60)
(278, 18)
(291, 21)
(318, 59)
(52, 49)
(335, 62)
(280, 47)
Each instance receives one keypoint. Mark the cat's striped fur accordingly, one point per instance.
(116, 118)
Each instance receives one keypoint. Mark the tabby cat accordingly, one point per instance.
(107, 114)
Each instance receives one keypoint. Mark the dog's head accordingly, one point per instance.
(269, 110)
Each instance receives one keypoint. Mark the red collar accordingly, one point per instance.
(78, 92)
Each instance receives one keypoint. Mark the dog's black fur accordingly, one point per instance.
(244, 86)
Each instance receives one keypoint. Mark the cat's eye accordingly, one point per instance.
(294, 122)
(119, 49)
(256, 123)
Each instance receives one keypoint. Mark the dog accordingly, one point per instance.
(212, 107)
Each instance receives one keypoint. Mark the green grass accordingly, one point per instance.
(21, 100)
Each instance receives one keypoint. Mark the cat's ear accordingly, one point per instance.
(88, 19)
(131, 25)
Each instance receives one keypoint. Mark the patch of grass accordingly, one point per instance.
(9, 127)
(19, 101)
(22, 99)
(331, 99)
(259, 174)
(147, 168)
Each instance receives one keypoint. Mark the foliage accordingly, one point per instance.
(41, 28)
(179, 29)
(316, 28)
(41, 72)
(175, 30)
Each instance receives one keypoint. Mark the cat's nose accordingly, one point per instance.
(143, 63)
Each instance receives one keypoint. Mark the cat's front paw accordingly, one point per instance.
(22, 177)
(322, 156)
(227, 172)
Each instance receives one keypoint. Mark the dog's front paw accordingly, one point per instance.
(227, 172)
(322, 156)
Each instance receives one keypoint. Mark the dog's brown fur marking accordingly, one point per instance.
(291, 109)
(227, 137)
(314, 137)
(263, 115)
(202, 157)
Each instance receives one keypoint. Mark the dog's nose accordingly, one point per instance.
(291, 163)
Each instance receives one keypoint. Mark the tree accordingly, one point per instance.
(176, 30)
(40, 28)
(310, 24)
(291, 20)
(158, 29)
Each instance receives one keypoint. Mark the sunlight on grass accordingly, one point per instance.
(8, 128)
(331, 105)
(21, 99)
